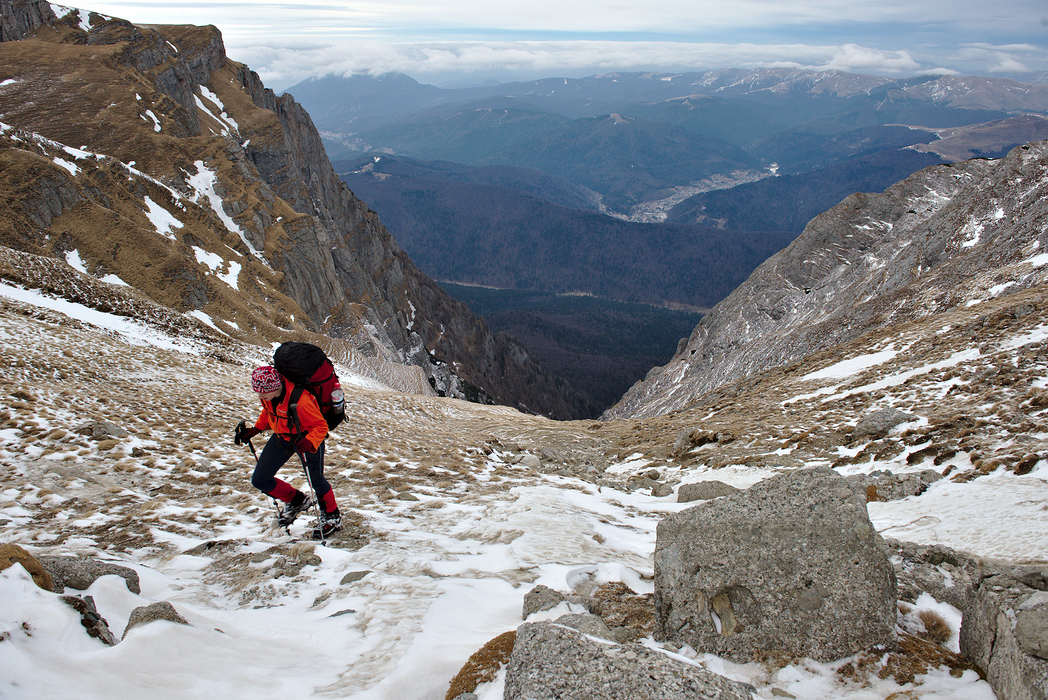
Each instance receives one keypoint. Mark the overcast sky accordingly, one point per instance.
(439, 41)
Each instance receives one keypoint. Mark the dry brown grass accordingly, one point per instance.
(936, 629)
(914, 657)
(483, 665)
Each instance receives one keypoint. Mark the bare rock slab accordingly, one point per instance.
(80, 572)
(790, 567)
(551, 662)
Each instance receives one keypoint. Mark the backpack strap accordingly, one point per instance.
(292, 410)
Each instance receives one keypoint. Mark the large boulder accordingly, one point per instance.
(11, 554)
(1005, 631)
(790, 567)
(551, 661)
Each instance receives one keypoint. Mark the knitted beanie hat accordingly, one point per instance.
(266, 379)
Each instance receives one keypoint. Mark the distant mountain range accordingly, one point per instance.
(635, 138)
(644, 187)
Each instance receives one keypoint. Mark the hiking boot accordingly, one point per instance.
(328, 524)
(290, 511)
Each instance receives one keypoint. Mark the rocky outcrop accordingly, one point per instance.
(946, 237)
(790, 567)
(20, 18)
(1004, 611)
(554, 661)
(411, 315)
(884, 485)
(1005, 631)
(95, 625)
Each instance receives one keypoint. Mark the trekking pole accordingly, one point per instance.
(287, 528)
(316, 498)
(292, 412)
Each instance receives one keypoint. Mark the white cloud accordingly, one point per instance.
(289, 40)
(1007, 64)
(852, 57)
(565, 58)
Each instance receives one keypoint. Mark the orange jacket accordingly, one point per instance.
(311, 420)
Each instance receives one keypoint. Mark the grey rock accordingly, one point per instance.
(81, 572)
(946, 575)
(145, 614)
(662, 490)
(466, 696)
(791, 565)
(20, 19)
(540, 598)
(996, 632)
(589, 624)
(551, 662)
(1031, 631)
(887, 486)
(877, 424)
(703, 491)
(353, 576)
(100, 430)
(531, 461)
(992, 638)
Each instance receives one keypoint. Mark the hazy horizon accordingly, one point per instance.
(460, 42)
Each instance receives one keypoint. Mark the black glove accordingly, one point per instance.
(304, 445)
(243, 434)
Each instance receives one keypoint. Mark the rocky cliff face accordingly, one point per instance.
(147, 154)
(946, 238)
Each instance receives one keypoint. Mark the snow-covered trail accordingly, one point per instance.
(449, 524)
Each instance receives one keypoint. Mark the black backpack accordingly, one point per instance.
(309, 369)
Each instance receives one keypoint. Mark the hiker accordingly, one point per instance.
(303, 434)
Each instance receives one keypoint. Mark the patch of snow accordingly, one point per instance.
(156, 122)
(212, 260)
(129, 330)
(73, 258)
(852, 366)
(71, 167)
(164, 222)
(203, 182)
(950, 514)
(232, 277)
(1038, 260)
(216, 263)
(221, 115)
(113, 279)
(204, 318)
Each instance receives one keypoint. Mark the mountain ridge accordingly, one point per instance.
(946, 236)
(240, 177)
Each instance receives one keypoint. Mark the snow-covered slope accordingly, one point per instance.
(393, 607)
